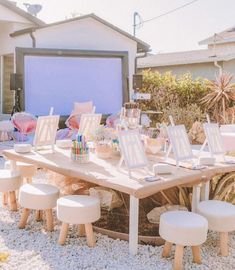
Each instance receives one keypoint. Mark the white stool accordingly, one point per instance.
(221, 218)
(78, 209)
(27, 171)
(9, 183)
(38, 197)
(183, 229)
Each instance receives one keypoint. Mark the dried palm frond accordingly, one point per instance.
(221, 95)
(184, 197)
(223, 188)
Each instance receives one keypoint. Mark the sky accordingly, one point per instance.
(178, 31)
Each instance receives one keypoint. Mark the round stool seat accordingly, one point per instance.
(25, 169)
(9, 181)
(38, 196)
(78, 209)
(183, 228)
(220, 215)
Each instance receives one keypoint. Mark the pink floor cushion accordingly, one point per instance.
(73, 121)
(24, 122)
(79, 108)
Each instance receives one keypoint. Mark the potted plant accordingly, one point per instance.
(103, 139)
(155, 139)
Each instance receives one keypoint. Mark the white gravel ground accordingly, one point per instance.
(34, 248)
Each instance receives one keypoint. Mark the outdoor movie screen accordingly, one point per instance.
(59, 81)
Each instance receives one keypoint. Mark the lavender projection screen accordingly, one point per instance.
(58, 81)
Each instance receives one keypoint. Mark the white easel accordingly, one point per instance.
(205, 142)
(51, 111)
(213, 139)
(180, 143)
(89, 123)
(132, 150)
(170, 146)
(46, 129)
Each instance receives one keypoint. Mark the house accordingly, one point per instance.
(12, 19)
(220, 54)
(88, 33)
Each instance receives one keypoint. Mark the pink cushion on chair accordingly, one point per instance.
(73, 121)
(79, 109)
(24, 122)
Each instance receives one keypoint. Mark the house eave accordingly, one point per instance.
(141, 45)
(21, 12)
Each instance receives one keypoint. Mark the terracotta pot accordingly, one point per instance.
(103, 151)
(153, 146)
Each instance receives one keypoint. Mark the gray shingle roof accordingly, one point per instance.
(184, 58)
(225, 36)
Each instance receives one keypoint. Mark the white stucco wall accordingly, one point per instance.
(10, 16)
(85, 34)
(223, 47)
(229, 67)
(10, 22)
(8, 44)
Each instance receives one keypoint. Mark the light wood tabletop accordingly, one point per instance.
(106, 172)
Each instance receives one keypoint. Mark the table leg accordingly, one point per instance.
(133, 225)
(195, 197)
(13, 166)
(205, 191)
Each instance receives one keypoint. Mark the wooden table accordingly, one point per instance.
(106, 173)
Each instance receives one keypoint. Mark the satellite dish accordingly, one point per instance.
(33, 9)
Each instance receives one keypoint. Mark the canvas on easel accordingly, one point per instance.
(46, 129)
(89, 124)
(214, 139)
(180, 143)
(170, 146)
(132, 150)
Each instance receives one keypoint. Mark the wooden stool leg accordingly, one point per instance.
(13, 204)
(178, 260)
(24, 218)
(49, 220)
(4, 198)
(63, 233)
(166, 249)
(28, 180)
(90, 235)
(196, 254)
(81, 230)
(224, 243)
(38, 215)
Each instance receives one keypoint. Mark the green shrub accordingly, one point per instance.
(185, 115)
(179, 95)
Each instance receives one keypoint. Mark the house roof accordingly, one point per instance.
(225, 36)
(141, 45)
(184, 58)
(21, 12)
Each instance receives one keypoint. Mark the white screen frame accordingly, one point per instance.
(21, 53)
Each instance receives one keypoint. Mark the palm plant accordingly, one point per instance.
(221, 95)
